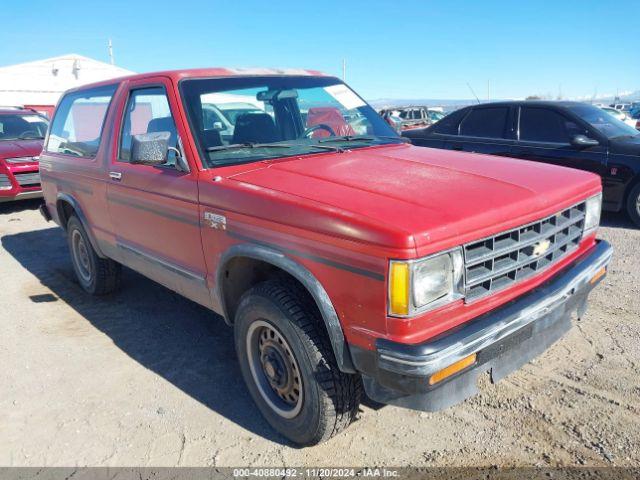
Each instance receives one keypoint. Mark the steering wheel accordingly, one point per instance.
(320, 126)
(28, 133)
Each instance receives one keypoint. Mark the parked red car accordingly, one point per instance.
(342, 261)
(22, 132)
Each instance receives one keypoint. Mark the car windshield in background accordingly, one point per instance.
(238, 120)
(604, 122)
(22, 127)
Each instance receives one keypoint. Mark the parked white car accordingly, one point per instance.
(620, 115)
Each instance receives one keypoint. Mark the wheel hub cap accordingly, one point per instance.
(275, 369)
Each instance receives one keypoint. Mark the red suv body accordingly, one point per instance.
(22, 132)
(342, 261)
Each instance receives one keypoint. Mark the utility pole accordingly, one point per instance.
(344, 70)
(111, 52)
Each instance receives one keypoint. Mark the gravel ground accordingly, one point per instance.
(147, 378)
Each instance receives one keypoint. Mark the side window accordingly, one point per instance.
(449, 124)
(147, 111)
(485, 122)
(77, 125)
(544, 125)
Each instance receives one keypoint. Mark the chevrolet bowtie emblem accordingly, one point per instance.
(541, 248)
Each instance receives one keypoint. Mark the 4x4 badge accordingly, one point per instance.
(216, 221)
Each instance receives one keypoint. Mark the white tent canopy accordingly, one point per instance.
(43, 81)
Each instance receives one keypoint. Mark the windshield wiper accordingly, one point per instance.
(347, 138)
(235, 146)
(327, 147)
(363, 138)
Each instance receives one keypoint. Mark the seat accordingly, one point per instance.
(211, 138)
(255, 128)
(164, 124)
(331, 117)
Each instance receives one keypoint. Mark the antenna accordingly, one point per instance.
(474, 93)
(111, 52)
(344, 70)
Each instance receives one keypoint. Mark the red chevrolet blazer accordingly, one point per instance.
(21, 134)
(344, 258)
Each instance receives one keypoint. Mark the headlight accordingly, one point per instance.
(419, 285)
(592, 214)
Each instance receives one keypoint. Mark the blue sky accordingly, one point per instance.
(411, 49)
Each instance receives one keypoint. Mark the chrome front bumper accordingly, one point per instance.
(503, 340)
(21, 196)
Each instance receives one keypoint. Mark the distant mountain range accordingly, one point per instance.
(430, 102)
(452, 104)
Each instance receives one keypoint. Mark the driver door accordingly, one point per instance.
(545, 136)
(154, 209)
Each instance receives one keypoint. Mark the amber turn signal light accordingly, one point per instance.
(399, 288)
(452, 369)
(599, 274)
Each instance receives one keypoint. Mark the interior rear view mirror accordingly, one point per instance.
(270, 95)
(150, 148)
(582, 141)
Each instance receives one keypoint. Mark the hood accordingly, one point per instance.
(20, 148)
(433, 198)
(625, 146)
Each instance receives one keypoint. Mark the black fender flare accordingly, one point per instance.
(65, 197)
(306, 278)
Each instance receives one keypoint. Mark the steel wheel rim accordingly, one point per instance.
(274, 369)
(81, 256)
(638, 204)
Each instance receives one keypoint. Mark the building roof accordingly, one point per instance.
(213, 72)
(43, 81)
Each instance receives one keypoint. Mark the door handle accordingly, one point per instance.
(116, 176)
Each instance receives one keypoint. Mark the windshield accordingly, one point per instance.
(22, 126)
(278, 116)
(604, 122)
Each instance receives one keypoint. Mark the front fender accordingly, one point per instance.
(307, 279)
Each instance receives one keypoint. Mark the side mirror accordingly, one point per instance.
(582, 141)
(150, 148)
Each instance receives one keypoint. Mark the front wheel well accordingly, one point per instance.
(242, 273)
(630, 186)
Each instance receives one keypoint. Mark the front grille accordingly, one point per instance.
(28, 179)
(5, 183)
(497, 262)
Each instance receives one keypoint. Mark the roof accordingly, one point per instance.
(4, 110)
(178, 75)
(41, 82)
(540, 103)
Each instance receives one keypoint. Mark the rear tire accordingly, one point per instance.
(633, 205)
(97, 276)
(289, 366)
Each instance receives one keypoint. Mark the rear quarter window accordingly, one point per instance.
(485, 122)
(78, 123)
(449, 124)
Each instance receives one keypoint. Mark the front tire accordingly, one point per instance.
(97, 276)
(289, 367)
(633, 205)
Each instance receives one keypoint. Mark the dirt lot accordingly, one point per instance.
(145, 377)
